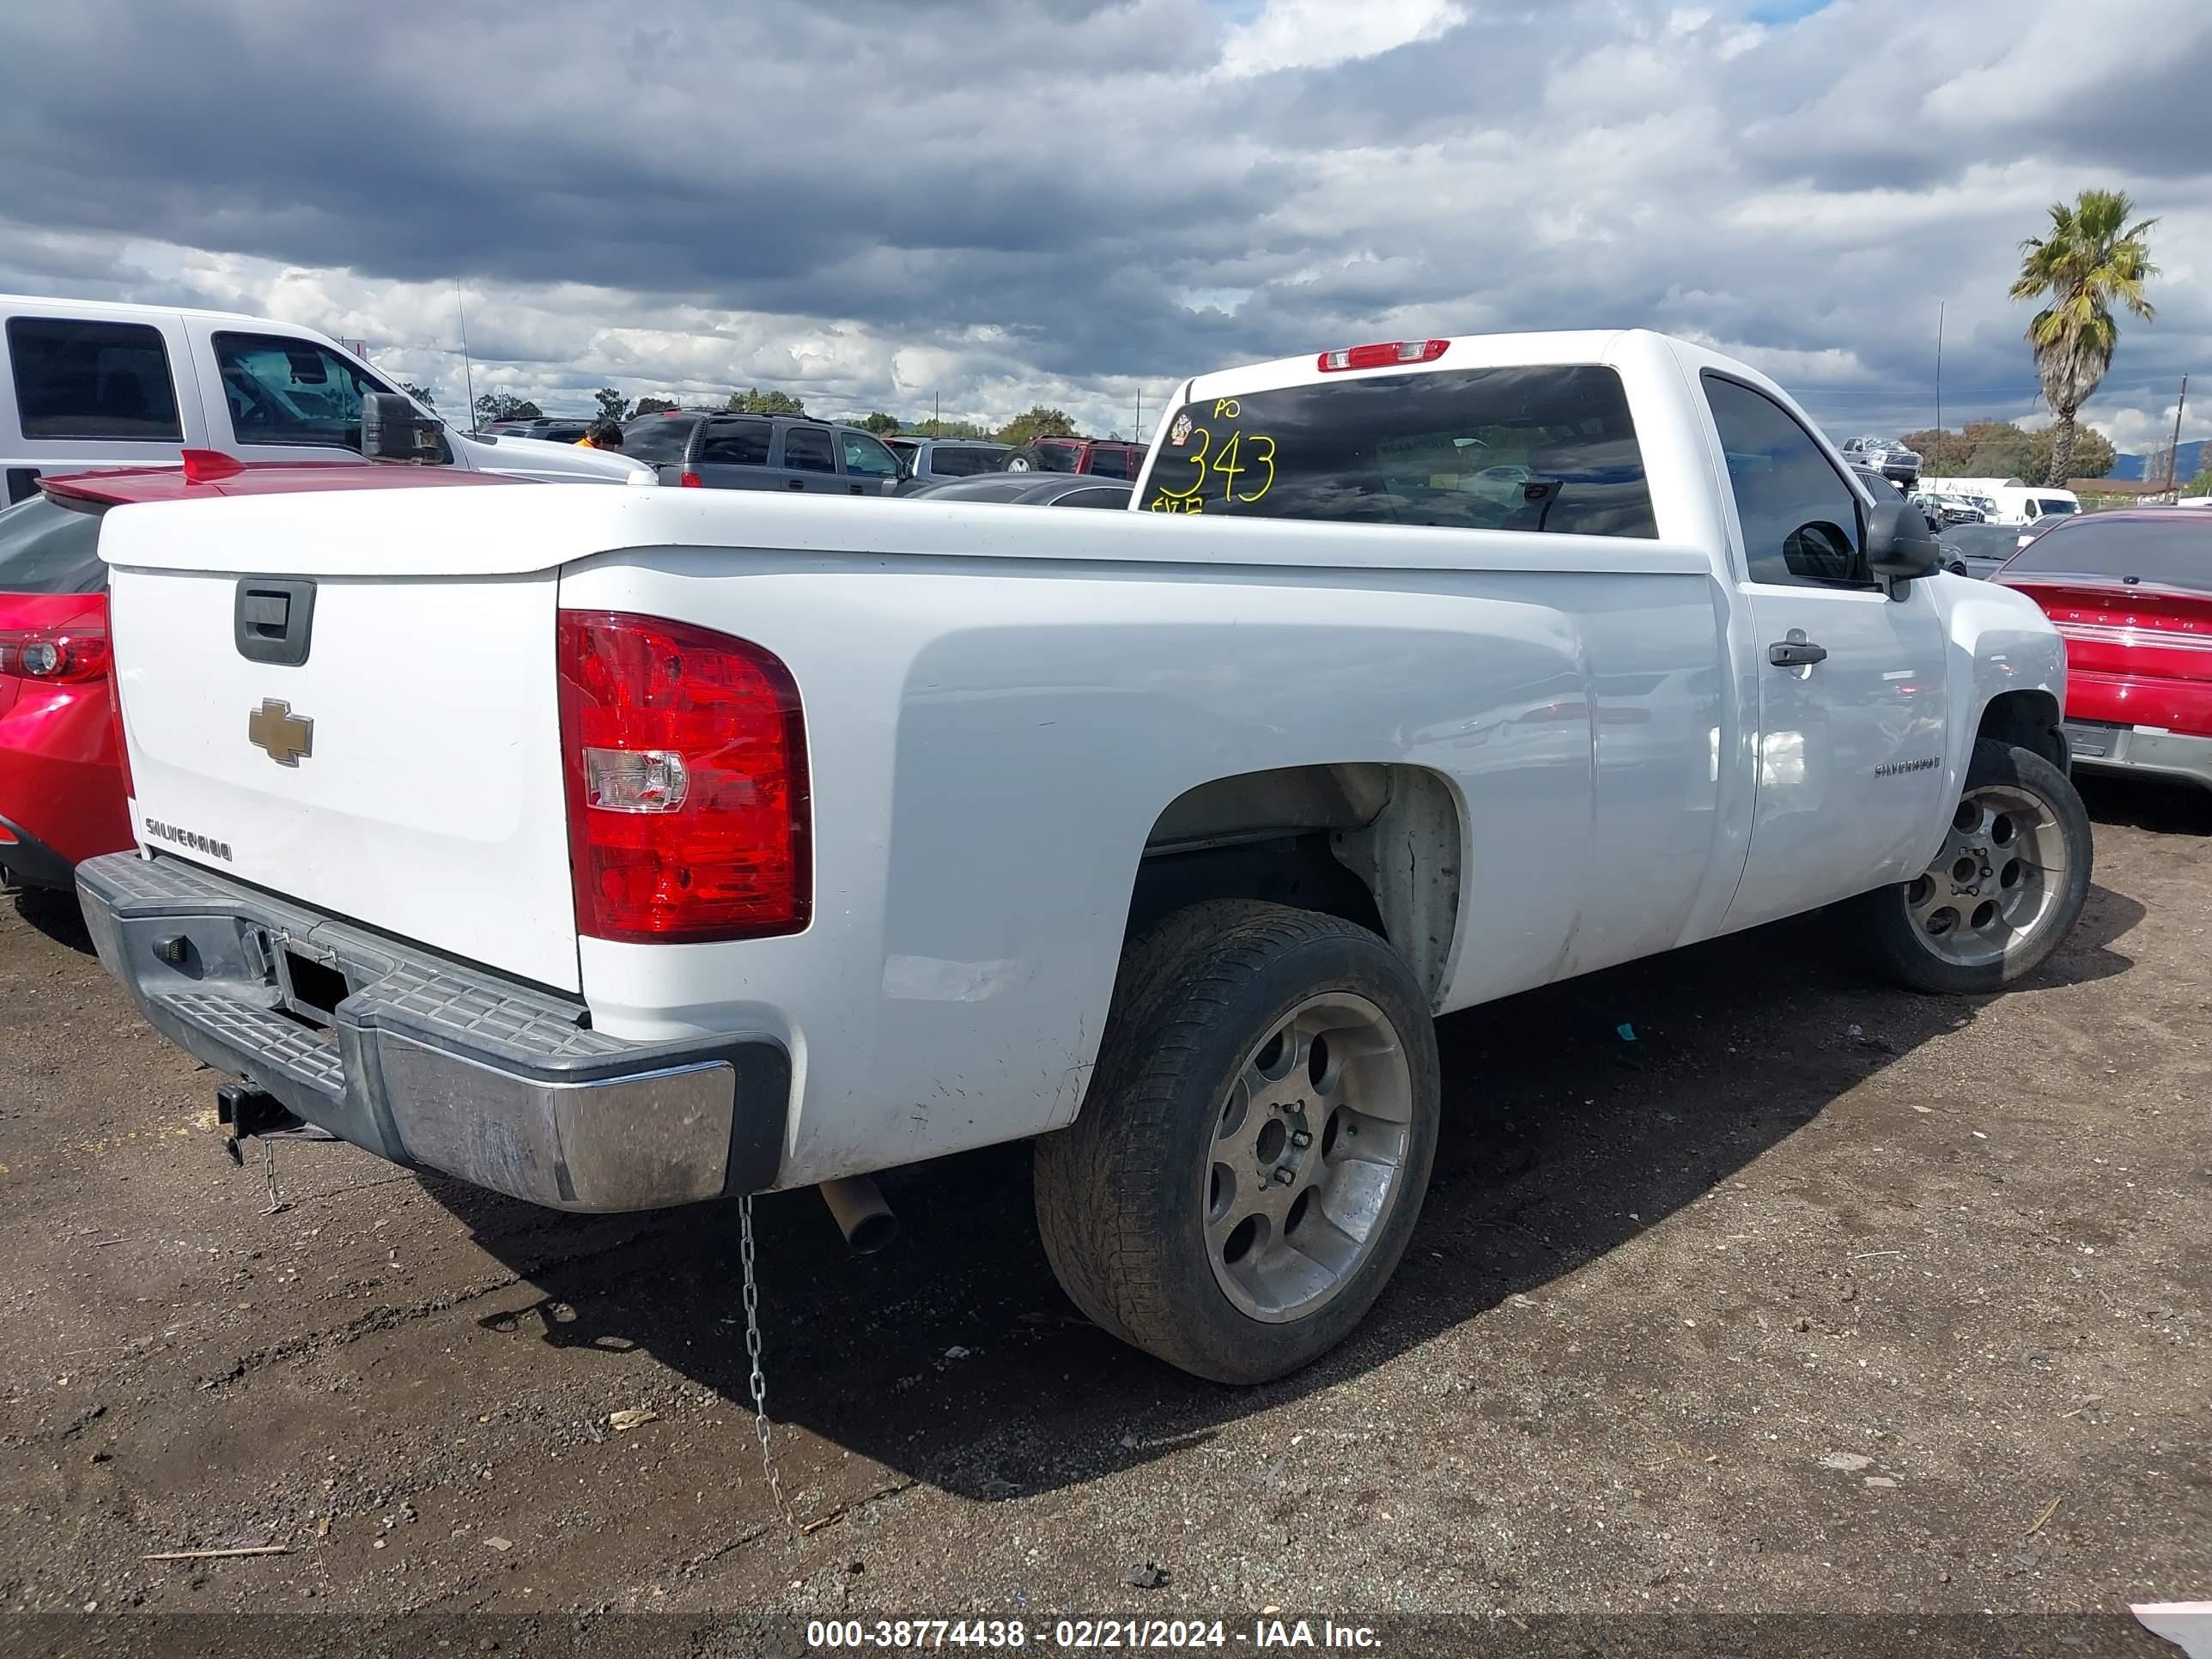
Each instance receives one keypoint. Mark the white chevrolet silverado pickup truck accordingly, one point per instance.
(619, 849)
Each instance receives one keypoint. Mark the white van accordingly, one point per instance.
(87, 384)
(2017, 503)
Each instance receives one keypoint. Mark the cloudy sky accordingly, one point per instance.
(881, 203)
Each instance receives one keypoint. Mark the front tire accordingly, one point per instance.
(1255, 1147)
(2002, 891)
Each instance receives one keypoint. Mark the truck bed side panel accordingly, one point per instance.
(991, 742)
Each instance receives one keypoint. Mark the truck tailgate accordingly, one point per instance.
(406, 775)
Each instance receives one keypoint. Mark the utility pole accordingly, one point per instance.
(2173, 455)
(1137, 428)
(1938, 457)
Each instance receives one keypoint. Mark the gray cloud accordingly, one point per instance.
(998, 200)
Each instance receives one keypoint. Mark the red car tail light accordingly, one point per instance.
(689, 481)
(69, 651)
(685, 751)
(1385, 356)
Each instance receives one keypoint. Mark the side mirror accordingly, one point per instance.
(393, 429)
(1900, 547)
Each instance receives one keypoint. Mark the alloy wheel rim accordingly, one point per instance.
(1308, 1157)
(1996, 881)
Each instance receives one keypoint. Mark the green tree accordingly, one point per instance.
(613, 406)
(879, 422)
(2007, 452)
(1038, 423)
(2094, 456)
(654, 406)
(757, 402)
(1981, 449)
(2092, 257)
(949, 429)
(420, 393)
(506, 406)
(2202, 483)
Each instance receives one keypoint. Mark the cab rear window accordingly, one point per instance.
(1549, 449)
(2169, 552)
(46, 547)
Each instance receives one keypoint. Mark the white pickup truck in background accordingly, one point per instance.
(90, 384)
(623, 848)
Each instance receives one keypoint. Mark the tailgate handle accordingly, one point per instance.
(273, 619)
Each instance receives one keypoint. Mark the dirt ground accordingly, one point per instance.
(1812, 1297)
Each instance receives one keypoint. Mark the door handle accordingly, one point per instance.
(1796, 653)
(854, 490)
(797, 484)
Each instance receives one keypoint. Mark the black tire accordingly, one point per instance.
(1120, 1193)
(1020, 461)
(1900, 949)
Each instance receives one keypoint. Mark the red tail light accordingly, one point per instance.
(1386, 355)
(70, 650)
(690, 481)
(686, 759)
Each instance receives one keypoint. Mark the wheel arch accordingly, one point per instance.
(1380, 844)
(2030, 718)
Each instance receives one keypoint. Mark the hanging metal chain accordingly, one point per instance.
(753, 1352)
(268, 1164)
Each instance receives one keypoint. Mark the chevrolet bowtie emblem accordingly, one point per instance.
(283, 735)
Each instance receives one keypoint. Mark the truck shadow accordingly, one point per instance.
(1576, 1118)
(55, 915)
(2165, 806)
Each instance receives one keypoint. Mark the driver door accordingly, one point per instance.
(1851, 686)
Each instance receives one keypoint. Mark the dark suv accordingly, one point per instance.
(760, 452)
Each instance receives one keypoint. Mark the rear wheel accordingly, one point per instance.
(2002, 891)
(1254, 1149)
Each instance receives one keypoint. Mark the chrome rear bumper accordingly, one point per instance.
(2136, 749)
(431, 1062)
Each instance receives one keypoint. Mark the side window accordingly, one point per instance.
(806, 449)
(283, 390)
(1800, 520)
(964, 463)
(99, 380)
(660, 440)
(1107, 498)
(735, 443)
(864, 456)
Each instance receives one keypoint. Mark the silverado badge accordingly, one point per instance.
(276, 729)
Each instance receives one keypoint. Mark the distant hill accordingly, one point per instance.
(2192, 462)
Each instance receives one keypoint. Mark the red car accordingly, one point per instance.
(63, 792)
(1105, 457)
(2131, 592)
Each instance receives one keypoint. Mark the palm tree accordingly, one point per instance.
(2092, 257)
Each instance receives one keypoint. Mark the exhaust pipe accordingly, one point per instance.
(857, 1205)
